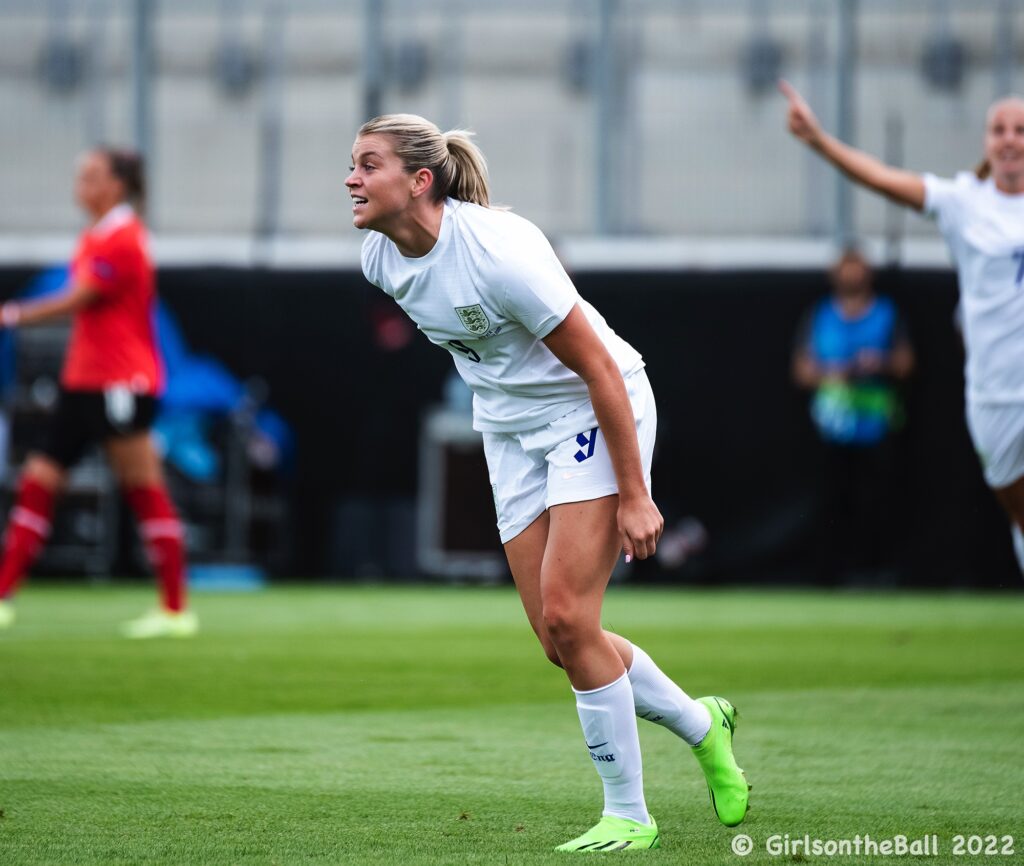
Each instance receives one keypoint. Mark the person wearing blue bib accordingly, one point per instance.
(852, 352)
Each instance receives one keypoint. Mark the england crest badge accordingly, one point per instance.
(474, 319)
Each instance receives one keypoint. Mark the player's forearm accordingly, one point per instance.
(20, 314)
(903, 187)
(855, 164)
(618, 425)
(809, 374)
(806, 373)
(901, 362)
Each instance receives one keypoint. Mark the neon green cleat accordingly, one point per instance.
(615, 834)
(6, 614)
(726, 783)
(161, 623)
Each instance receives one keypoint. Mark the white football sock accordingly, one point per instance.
(659, 700)
(609, 728)
(1018, 546)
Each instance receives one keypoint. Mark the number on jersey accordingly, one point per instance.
(1018, 257)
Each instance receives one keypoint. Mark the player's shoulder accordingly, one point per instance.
(494, 228)
(822, 309)
(968, 183)
(947, 197)
(132, 235)
(126, 238)
(496, 238)
(885, 308)
(961, 184)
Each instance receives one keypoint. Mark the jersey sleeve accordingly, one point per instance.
(536, 290)
(939, 193)
(110, 266)
(944, 199)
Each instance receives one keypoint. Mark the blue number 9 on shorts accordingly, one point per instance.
(589, 444)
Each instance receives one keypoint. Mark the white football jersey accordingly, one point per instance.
(489, 291)
(984, 229)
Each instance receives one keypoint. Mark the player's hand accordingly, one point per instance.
(10, 314)
(640, 525)
(869, 362)
(800, 119)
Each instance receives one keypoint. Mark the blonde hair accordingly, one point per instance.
(458, 165)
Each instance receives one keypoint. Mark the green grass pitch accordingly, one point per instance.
(408, 726)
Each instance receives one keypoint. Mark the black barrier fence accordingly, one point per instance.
(736, 447)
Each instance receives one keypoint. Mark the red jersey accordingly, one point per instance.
(113, 340)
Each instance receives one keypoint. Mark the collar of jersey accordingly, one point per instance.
(113, 219)
(443, 236)
(1013, 197)
(838, 310)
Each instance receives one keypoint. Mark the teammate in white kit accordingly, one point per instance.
(568, 421)
(981, 216)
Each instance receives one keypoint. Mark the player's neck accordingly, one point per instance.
(418, 231)
(98, 213)
(1010, 184)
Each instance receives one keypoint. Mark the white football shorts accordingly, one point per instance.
(997, 431)
(564, 461)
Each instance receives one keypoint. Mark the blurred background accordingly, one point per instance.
(313, 433)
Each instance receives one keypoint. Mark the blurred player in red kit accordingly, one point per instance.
(109, 386)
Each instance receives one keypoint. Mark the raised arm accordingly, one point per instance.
(576, 345)
(903, 187)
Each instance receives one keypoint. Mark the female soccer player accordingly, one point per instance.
(568, 421)
(981, 216)
(109, 384)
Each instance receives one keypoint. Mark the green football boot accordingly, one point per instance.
(726, 783)
(615, 834)
(161, 623)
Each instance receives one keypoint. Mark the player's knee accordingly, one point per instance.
(44, 471)
(563, 621)
(133, 475)
(1016, 510)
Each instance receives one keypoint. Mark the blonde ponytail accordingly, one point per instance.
(468, 178)
(458, 165)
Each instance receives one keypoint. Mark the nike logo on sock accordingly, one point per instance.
(598, 746)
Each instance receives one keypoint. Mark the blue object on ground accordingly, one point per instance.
(226, 577)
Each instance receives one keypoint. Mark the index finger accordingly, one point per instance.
(789, 91)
